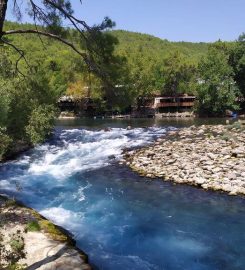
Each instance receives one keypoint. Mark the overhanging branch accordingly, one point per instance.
(89, 62)
(38, 32)
(21, 56)
(87, 59)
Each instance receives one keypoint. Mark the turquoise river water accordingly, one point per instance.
(123, 221)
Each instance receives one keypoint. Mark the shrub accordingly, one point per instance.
(5, 141)
(40, 123)
(236, 125)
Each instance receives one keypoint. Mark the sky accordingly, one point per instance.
(175, 20)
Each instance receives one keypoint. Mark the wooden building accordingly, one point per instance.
(80, 106)
(165, 105)
(182, 103)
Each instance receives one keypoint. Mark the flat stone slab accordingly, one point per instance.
(43, 250)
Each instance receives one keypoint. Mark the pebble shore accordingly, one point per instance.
(211, 157)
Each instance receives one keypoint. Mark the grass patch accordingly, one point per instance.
(236, 125)
(10, 203)
(33, 226)
(52, 230)
(226, 136)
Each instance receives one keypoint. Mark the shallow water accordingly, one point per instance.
(123, 221)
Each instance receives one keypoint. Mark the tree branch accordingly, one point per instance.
(38, 32)
(69, 16)
(20, 52)
(35, 22)
(89, 62)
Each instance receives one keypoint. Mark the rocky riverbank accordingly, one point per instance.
(211, 157)
(29, 241)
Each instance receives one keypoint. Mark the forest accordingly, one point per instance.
(133, 65)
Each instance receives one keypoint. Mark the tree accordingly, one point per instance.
(237, 61)
(78, 89)
(27, 106)
(217, 90)
(49, 17)
(179, 75)
(115, 90)
(5, 76)
(5, 83)
(146, 76)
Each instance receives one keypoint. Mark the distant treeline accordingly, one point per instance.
(140, 58)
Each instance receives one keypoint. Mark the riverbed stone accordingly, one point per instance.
(197, 156)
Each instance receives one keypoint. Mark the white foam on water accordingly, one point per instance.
(6, 185)
(63, 217)
(84, 150)
(80, 196)
(76, 157)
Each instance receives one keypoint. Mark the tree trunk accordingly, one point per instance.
(3, 9)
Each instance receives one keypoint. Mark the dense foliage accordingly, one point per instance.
(21, 99)
(217, 90)
(134, 64)
(237, 61)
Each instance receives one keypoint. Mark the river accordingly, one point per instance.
(123, 221)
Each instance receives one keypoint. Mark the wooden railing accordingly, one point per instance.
(175, 104)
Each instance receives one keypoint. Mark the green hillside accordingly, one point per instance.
(131, 43)
(143, 66)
